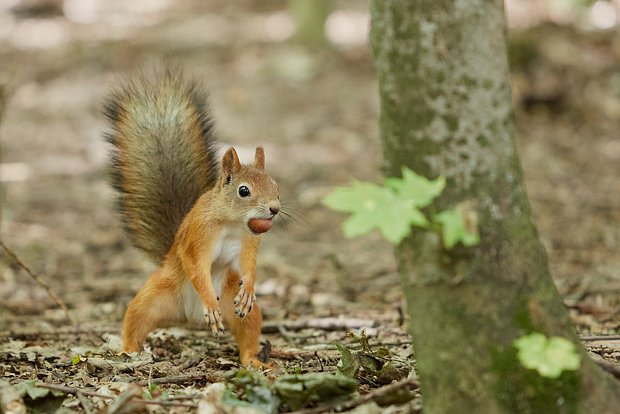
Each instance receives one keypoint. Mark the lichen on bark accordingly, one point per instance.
(446, 81)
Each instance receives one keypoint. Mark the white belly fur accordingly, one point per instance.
(225, 255)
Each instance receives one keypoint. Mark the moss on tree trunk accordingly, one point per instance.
(446, 110)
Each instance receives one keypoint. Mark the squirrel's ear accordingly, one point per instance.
(230, 162)
(259, 158)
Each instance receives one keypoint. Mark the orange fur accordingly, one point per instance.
(213, 246)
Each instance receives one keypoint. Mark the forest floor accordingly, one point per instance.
(316, 112)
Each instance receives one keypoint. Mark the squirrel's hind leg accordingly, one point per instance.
(246, 330)
(155, 306)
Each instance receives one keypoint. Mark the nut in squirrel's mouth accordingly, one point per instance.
(260, 225)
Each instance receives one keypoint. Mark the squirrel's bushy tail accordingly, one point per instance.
(163, 156)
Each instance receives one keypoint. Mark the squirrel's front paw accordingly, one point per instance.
(213, 317)
(244, 300)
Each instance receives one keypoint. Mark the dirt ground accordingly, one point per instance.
(316, 112)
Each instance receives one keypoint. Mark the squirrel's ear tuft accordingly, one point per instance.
(230, 162)
(259, 158)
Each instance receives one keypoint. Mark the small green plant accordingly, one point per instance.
(377, 366)
(549, 356)
(397, 206)
(76, 359)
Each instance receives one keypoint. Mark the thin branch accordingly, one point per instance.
(326, 324)
(353, 346)
(316, 354)
(589, 338)
(33, 334)
(75, 391)
(374, 395)
(179, 379)
(129, 401)
(39, 281)
(289, 355)
(84, 402)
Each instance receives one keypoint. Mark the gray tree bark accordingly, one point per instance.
(446, 110)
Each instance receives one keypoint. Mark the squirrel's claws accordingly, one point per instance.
(213, 318)
(244, 301)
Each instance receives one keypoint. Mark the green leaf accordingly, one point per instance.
(383, 352)
(349, 364)
(76, 359)
(392, 209)
(299, 390)
(397, 219)
(359, 196)
(32, 390)
(360, 223)
(458, 225)
(370, 362)
(373, 207)
(256, 390)
(549, 356)
(416, 188)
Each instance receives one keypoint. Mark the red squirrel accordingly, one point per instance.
(200, 220)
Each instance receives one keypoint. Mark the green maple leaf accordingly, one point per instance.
(549, 356)
(374, 207)
(359, 195)
(420, 190)
(455, 228)
(394, 208)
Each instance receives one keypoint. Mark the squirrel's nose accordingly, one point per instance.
(274, 210)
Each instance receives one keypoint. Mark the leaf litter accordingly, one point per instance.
(92, 267)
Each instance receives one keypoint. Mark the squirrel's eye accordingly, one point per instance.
(244, 191)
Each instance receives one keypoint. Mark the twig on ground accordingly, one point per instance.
(353, 346)
(290, 335)
(589, 338)
(316, 354)
(84, 402)
(180, 379)
(326, 324)
(39, 281)
(34, 334)
(189, 363)
(129, 401)
(292, 356)
(374, 395)
(76, 391)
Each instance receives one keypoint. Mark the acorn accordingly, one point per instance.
(260, 225)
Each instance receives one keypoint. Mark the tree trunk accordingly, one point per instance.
(446, 110)
(310, 17)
